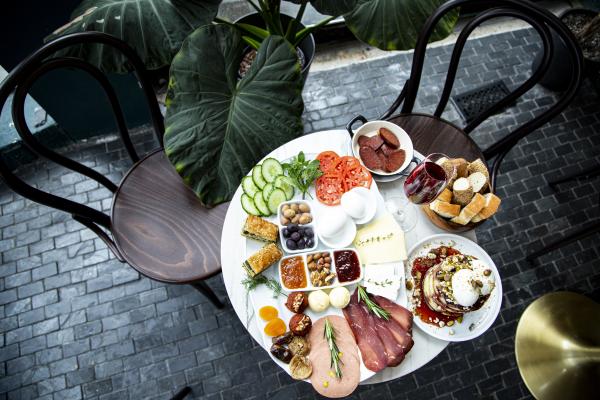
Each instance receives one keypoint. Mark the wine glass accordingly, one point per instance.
(402, 211)
(428, 179)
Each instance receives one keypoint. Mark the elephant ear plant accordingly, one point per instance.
(219, 125)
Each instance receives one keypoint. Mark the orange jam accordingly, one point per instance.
(268, 313)
(292, 273)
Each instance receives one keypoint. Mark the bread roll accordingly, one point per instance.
(476, 219)
(492, 202)
(445, 209)
(446, 195)
(479, 166)
(462, 167)
(470, 210)
(463, 191)
(450, 171)
(478, 181)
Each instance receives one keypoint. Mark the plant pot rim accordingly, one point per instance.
(310, 37)
(576, 10)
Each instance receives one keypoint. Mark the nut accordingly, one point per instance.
(296, 219)
(304, 207)
(487, 272)
(305, 219)
(295, 207)
(284, 220)
(285, 207)
(297, 302)
(289, 213)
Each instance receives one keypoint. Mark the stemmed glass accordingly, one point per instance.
(403, 212)
(428, 179)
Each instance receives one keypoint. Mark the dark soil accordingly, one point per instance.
(250, 55)
(591, 46)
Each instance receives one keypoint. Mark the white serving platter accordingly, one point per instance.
(263, 296)
(474, 323)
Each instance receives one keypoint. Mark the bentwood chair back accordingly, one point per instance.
(431, 133)
(156, 223)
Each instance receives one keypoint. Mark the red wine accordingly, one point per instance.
(425, 183)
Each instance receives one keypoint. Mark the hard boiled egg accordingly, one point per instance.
(353, 204)
(332, 222)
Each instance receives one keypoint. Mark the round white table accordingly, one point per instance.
(233, 251)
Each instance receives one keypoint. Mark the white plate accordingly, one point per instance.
(345, 240)
(483, 318)
(262, 296)
(368, 197)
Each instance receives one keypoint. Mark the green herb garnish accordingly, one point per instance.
(329, 334)
(373, 307)
(302, 172)
(252, 283)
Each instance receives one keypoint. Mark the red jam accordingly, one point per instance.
(422, 264)
(346, 265)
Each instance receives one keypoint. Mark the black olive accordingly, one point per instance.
(286, 232)
(301, 243)
(308, 232)
(295, 236)
(281, 353)
(286, 338)
(309, 243)
(291, 244)
(293, 228)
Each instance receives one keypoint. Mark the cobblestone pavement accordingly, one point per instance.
(75, 323)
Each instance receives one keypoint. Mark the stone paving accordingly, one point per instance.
(75, 323)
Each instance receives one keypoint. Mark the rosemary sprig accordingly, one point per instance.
(329, 334)
(373, 307)
(252, 283)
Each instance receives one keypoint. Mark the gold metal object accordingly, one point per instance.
(558, 347)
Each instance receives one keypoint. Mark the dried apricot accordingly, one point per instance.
(268, 313)
(275, 327)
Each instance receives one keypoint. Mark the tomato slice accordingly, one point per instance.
(327, 160)
(349, 162)
(357, 177)
(329, 188)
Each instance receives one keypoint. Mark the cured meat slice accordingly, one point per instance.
(395, 160)
(371, 347)
(387, 150)
(362, 140)
(321, 379)
(401, 336)
(375, 142)
(398, 313)
(389, 138)
(370, 158)
(394, 350)
(382, 156)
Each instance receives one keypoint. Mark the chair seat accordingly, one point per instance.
(430, 134)
(161, 228)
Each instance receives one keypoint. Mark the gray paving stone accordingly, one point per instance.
(45, 326)
(45, 298)
(30, 289)
(57, 281)
(44, 271)
(51, 385)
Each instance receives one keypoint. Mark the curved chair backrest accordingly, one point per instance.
(20, 81)
(541, 20)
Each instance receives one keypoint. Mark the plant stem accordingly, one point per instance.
(308, 30)
(292, 26)
(254, 6)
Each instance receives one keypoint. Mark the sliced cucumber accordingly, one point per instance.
(285, 183)
(249, 187)
(261, 205)
(248, 205)
(257, 177)
(271, 168)
(276, 197)
(267, 191)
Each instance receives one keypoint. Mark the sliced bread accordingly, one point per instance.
(478, 181)
(462, 167)
(470, 210)
(492, 202)
(463, 191)
(445, 209)
(446, 196)
(479, 166)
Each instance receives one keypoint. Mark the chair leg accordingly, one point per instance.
(588, 172)
(575, 236)
(203, 288)
(182, 393)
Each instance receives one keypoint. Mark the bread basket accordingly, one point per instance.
(446, 224)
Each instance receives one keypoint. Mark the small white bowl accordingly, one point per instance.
(310, 225)
(343, 238)
(368, 199)
(370, 129)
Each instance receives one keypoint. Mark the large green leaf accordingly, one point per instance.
(154, 28)
(217, 127)
(395, 24)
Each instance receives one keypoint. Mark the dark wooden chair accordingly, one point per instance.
(156, 224)
(432, 133)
